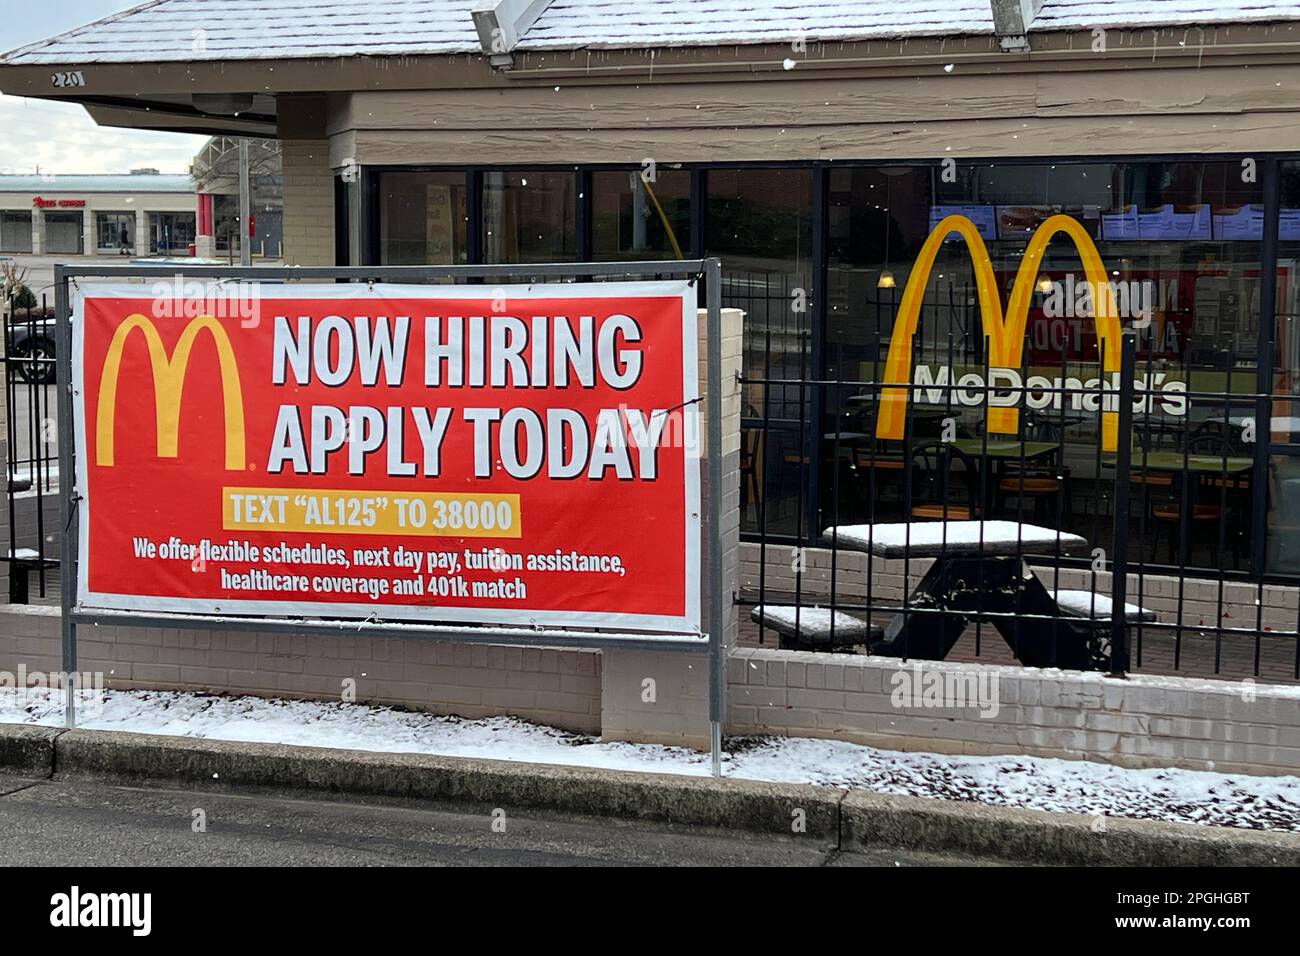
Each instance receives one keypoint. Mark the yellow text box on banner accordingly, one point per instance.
(318, 511)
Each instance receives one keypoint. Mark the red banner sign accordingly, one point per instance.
(517, 455)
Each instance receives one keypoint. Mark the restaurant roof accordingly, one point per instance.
(97, 184)
(204, 30)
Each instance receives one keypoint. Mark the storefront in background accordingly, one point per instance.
(137, 214)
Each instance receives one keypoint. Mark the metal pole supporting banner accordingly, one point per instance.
(67, 491)
(717, 663)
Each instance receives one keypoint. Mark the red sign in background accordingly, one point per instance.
(590, 550)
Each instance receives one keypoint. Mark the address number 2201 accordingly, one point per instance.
(68, 79)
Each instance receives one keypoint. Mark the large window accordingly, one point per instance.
(1284, 464)
(530, 216)
(641, 214)
(170, 233)
(759, 222)
(115, 232)
(1175, 246)
(1179, 251)
(422, 219)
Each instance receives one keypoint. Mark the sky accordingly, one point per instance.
(61, 137)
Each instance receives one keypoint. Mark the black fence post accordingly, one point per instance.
(1119, 657)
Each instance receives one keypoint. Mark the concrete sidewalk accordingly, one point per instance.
(852, 822)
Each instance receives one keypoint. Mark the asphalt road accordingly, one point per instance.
(98, 825)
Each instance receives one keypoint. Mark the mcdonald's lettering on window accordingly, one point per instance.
(496, 455)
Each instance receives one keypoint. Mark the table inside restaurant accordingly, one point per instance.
(1199, 468)
(1007, 449)
(979, 569)
(997, 453)
(1172, 461)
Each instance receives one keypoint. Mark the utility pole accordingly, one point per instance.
(245, 206)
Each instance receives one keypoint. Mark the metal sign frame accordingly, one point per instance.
(710, 641)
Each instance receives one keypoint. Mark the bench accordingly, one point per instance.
(1096, 606)
(22, 562)
(809, 628)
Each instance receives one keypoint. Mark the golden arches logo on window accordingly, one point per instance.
(169, 382)
(1006, 335)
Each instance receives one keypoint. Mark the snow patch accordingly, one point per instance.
(1063, 786)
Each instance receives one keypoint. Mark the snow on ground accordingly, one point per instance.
(1187, 796)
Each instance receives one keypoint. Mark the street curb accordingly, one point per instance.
(854, 821)
(1067, 839)
(699, 801)
(28, 750)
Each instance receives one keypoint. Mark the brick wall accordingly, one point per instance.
(1138, 721)
(308, 203)
(551, 686)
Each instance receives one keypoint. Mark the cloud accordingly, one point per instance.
(62, 138)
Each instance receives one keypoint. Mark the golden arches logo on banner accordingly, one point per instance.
(1006, 334)
(169, 382)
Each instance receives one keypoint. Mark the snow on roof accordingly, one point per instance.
(191, 30)
(611, 24)
(196, 30)
(1081, 14)
(97, 184)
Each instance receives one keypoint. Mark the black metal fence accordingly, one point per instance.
(917, 545)
(32, 449)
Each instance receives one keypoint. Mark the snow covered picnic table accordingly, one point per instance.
(1093, 605)
(931, 539)
(980, 575)
(814, 628)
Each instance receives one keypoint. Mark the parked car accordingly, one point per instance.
(31, 342)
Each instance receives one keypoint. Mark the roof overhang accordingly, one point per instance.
(209, 96)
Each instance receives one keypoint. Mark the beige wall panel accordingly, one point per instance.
(1063, 136)
(308, 203)
(827, 102)
(1237, 89)
(706, 106)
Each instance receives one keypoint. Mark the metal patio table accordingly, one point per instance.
(1232, 468)
(1007, 449)
(979, 569)
(996, 453)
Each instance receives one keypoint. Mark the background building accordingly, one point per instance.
(216, 175)
(138, 214)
